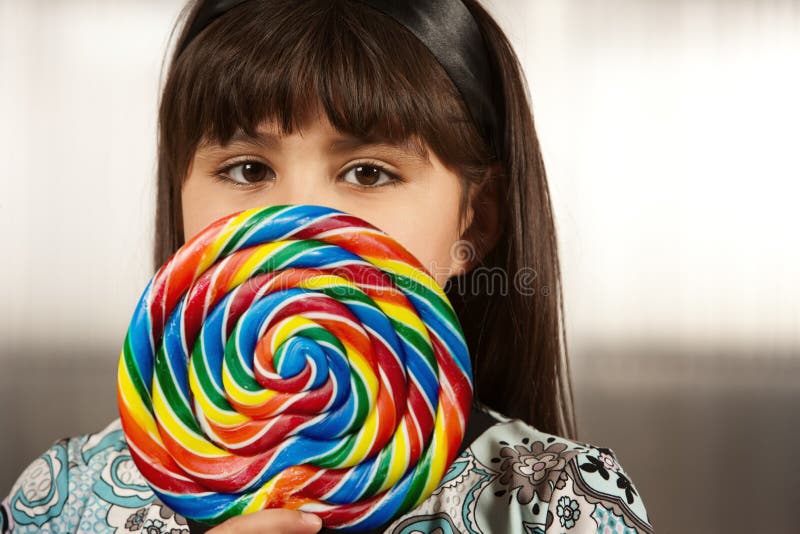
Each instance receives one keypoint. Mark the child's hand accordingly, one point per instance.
(276, 520)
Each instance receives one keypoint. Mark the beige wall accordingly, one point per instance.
(669, 130)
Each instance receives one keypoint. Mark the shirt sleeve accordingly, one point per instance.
(38, 497)
(87, 483)
(594, 494)
(515, 479)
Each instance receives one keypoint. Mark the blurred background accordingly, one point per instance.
(670, 131)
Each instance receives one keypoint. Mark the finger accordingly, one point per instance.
(277, 521)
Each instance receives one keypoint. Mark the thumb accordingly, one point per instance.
(273, 520)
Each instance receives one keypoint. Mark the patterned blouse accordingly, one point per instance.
(511, 479)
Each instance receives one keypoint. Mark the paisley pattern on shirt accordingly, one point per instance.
(511, 479)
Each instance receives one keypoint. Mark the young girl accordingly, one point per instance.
(413, 116)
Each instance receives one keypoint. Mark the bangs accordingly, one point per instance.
(282, 62)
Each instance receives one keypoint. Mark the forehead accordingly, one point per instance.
(269, 135)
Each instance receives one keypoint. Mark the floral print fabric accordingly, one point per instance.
(511, 479)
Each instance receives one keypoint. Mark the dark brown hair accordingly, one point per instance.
(276, 59)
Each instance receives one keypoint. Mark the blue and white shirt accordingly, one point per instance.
(511, 479)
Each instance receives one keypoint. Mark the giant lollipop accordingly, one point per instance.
(294, 356)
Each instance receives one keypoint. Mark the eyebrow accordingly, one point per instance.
(340, 144)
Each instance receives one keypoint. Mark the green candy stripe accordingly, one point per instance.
(241, 232)
(425, 293)
(136, 376)
(175, 401)
(200, 365)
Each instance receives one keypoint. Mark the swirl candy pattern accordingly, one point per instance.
(294, 356)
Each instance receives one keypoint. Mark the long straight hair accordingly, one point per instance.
(276, 59)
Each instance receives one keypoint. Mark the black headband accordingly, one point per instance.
(449, 31)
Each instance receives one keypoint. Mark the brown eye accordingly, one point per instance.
(370, 175)
(248, 172)
(367, 174)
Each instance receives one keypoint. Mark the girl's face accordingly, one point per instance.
(393, 187)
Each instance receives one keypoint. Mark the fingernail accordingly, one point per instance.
(311, 519)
